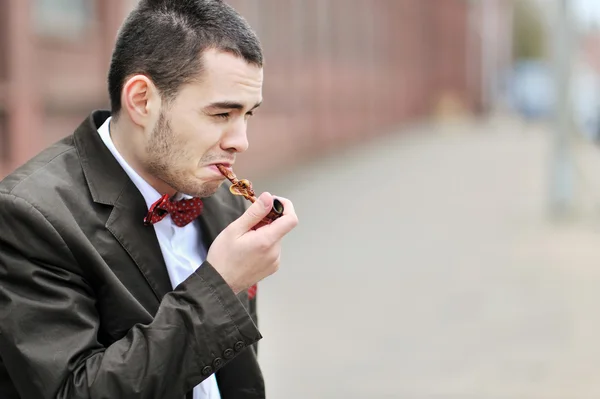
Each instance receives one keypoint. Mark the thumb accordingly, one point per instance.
(254, 214)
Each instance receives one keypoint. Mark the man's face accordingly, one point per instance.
(205, 124)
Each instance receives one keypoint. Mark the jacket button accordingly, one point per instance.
(218, 362)
(238, 346)
(228, 353)
(207, 370)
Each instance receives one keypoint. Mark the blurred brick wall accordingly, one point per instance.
(337, 71)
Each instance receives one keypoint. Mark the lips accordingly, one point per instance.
(221, 165)
(221, 169)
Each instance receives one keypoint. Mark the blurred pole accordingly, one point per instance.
(488, 50)
(474, 57)
(23, 108)
(561, 195)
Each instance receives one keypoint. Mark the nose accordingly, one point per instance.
(235, 138)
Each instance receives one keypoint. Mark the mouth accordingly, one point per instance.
(219, 166)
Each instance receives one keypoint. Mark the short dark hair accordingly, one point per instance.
(165, 39)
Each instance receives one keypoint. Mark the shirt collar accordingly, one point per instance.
(148, 192)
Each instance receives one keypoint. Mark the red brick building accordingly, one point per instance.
(336, 70)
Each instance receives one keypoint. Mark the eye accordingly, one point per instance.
(223, 116)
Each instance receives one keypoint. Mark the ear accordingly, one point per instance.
(141, 100)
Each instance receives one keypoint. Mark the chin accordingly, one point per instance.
(206, 189)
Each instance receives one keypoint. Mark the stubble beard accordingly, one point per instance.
(164, 157)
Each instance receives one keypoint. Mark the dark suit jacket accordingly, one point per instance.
(86, 305)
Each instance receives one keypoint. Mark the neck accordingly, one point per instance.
(127, 140)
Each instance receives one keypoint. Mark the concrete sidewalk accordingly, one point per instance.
(425, 266)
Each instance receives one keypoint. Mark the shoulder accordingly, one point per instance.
(32, 203)
(52, 182)
(53, 165)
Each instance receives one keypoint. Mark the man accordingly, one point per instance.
(94, 303)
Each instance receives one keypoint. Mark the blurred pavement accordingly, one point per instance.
(425, 266)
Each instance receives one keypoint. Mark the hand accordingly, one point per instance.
(244, 256)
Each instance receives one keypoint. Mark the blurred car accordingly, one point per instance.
(532, 89)
(585, 97)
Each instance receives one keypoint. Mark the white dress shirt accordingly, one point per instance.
(181, 247)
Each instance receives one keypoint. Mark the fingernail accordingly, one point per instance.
(264, 200)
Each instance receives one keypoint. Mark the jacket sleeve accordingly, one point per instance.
(252, 303)
(252, 299)
(49, 323)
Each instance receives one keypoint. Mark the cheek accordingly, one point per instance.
(196, 135)
(197, 145)
(203, 138)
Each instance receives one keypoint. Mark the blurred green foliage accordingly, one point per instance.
(529, 36)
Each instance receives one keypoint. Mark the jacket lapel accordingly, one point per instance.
(140, 242)
(209, 222)
(109, 185)
(217, 214)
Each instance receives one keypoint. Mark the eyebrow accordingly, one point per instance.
(229, 105)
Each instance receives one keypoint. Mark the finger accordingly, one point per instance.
(284, 202)
(253, 215)
(287, 204)
(283, 225)
(260, 224)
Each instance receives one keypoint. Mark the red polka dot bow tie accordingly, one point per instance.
(182, 212)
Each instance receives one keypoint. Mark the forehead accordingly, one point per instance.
(225, 77)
